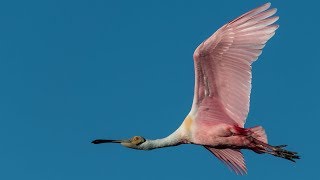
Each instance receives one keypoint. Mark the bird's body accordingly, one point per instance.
(222, 94)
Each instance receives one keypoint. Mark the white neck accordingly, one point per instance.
(173, 139)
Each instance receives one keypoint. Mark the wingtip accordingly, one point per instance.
(267, 5)
(273, 11)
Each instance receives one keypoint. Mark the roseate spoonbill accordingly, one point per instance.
(222, 93)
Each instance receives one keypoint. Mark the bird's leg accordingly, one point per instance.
(278, 151)
(250, 141)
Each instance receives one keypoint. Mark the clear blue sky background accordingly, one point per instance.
(73, 71)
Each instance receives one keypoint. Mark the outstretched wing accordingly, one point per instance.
(223, 65)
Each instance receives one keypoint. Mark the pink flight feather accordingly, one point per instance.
(223, 65)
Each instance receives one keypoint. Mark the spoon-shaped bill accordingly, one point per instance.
(99, 141)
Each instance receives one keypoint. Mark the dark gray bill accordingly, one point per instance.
(99, 141)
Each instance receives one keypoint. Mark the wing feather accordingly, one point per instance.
(223, 65)
(233, 158)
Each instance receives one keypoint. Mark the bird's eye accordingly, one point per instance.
(137, 140)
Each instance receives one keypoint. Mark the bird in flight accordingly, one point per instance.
(222, 65)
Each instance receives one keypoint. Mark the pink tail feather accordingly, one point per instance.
(259, 133)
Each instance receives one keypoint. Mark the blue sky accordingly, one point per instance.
(73, 71)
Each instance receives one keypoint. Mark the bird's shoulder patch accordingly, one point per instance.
(187, 123)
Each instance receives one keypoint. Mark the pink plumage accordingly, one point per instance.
(223, 62)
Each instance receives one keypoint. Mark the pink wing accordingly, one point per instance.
(223, 65)
(233, 158)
